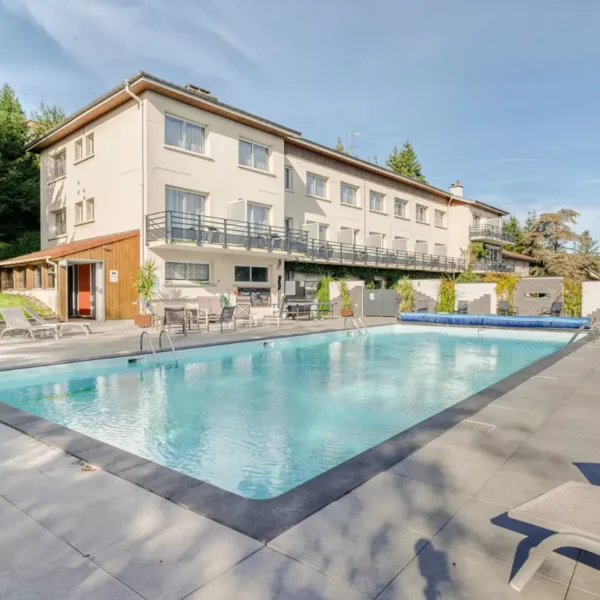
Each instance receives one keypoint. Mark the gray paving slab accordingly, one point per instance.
(158, 479)
(486, 529)
(358, 548)
(442, 571)
(410, 504)
(538, 401)
(172, 560)
(575, 594)
(112, 459)
(267, 574)
(563, 424)
(587, 573)
(575, 408)
(457, 469)
(559, 442)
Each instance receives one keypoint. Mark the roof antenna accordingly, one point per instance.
(351, 144)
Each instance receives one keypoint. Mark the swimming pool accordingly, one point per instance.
(259, 420)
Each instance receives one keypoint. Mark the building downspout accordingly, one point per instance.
(142, 170)
(56, 283)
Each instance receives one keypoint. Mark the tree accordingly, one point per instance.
(46, 117)
(512, 227)
(587, 244)
(339, 146)
(19, 172)
(405, 162)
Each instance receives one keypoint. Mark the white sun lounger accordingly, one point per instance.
(59, 326)
(16, 321)
(573, 511)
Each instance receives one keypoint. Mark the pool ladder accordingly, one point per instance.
(160, 336)
(592, 327)
(360, 326)
(145, 333)
(165, 332)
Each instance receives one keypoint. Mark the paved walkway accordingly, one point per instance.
(434, 526)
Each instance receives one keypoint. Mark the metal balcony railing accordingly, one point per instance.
(176, 227)
(490, 232)
(493, 266)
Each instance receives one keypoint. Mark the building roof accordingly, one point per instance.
(518, 256)
(68, 249)
(142, 81)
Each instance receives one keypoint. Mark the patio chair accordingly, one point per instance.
(554, 311)
(228, 316)
(462, 308)
(175, 316)
(571, 510)
(59, 326)
(277, 314)
(203, 313)
(16, 321)
(243, 312)
(505, 310)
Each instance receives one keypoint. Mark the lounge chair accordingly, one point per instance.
(462, 307)
(505, 310)
(176, 316)
(16, 321)
(554, 311)
(571, 510)
(59, 326)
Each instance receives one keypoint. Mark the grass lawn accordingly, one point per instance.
(14, 301)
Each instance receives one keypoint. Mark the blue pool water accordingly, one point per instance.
(259, 421)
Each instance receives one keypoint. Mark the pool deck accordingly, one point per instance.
(432, 524)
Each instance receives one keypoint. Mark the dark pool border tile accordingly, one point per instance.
(264, 520)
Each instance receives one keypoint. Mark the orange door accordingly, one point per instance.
(84, 299)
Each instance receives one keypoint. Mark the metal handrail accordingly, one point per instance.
(593, 326)
(165, 332)
(145, 333)
(359, 329)
(490, 231)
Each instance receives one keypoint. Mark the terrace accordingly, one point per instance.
(489, 234)
(170, 227)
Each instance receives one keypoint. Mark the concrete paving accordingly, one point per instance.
(433, 526)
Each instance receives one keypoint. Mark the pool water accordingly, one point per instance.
(259, 421)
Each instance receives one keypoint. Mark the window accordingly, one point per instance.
(89, 210)
(245, 274)
(347, 194)
(289, 181)
(84, 211)
(400, 208)
(440, 218)
(322, 232)
(257, 214)
(288, 223)
(59, 165)
(78, 212)
(253, 155)
(58, 225)
(421, 214)
(316, 186)
(185, 135)
(181, 201)
(191, 272)
(78, 150)
(376, 201)
(36, 272)
(89, 144)
(51, 276)
(476, 220)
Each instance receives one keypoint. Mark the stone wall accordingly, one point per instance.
(526, 299)
(481, 297)
(591, 300)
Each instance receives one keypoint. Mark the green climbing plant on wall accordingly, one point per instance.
(406, 294)
(446, 295)
(572, 297)
(505, 285)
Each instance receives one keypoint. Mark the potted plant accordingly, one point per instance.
(346, 300)
(145, 280)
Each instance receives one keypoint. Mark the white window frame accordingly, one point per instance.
(372, 196)
(59, 173)
(354, 194)
(203, 151)
(250, 282)
(202, 195)
(51, 277)
(79, 213)
(288, 178)
(89, 145)
(253, 166)
(312, 190)
(186, 279)
(404, 204)
(421, 207)
(90, 215)
(78, 150)
(82, 210)
(477, 219)
(442, 214)
(54, 233)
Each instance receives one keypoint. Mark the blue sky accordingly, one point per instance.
(503, 95)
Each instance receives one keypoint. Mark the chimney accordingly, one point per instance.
(456, 189)
(198, 90)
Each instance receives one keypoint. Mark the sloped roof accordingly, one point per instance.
(518, 256)
(68, 249)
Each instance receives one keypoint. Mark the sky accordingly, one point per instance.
(504, 96)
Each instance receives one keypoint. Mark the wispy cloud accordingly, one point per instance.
(591, 181)
(518, 159)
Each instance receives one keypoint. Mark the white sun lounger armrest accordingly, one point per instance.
(572, 510)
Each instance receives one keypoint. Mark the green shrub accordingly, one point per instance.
(446, 295)
(572, 297)
(505, 285)
(468, 277)
(322, 291)
(345, 295)
(406, 294)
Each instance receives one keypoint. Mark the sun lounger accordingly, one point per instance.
(16, 321)
(59, 326)
(573, 511)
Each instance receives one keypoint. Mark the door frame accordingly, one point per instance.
(97, 286)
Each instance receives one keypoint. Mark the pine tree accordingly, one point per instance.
(19, 172)
(405, 162)
(339, 146)
(587, 244)
(46, 117)
(512, 227)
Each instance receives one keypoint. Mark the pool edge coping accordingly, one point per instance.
(264, 520)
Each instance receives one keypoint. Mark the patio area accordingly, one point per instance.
(431, 526)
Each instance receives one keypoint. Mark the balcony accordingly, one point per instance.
(489, 234)
(168, 227)
(493, 266)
